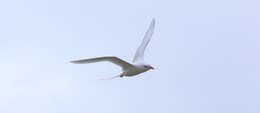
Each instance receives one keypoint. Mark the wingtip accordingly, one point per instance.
(74, 62)
(153, 20)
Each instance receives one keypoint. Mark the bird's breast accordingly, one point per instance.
(134, 71)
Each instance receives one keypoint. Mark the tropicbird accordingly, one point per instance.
(128, 69)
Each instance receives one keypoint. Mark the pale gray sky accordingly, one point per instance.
(206, 55)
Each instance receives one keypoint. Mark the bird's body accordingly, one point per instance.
(129, 69)
(137, 69)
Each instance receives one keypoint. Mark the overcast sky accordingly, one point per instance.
(206, 55)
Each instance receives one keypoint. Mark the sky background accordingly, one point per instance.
(206, 55)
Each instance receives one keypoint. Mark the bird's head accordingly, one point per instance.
(148, 67)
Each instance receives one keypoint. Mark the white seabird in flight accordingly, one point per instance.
(129, 69)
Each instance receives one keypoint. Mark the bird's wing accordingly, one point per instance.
(148, 35)
(115, 60)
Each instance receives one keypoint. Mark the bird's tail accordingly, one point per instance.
(110, 78)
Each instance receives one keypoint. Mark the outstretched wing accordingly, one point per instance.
(115, 60)
(148, 35)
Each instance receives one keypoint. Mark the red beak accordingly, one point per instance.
(152, 68)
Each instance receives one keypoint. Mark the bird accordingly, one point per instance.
(138, 64)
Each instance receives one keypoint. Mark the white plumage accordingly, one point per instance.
(129, 69)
